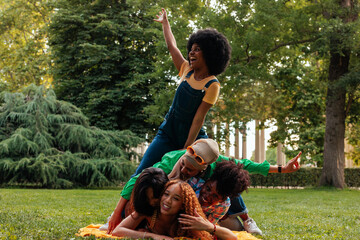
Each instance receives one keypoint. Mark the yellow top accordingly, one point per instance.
(211, 94)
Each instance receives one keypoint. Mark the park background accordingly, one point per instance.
(85, 83)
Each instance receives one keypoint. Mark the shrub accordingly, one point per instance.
(49, 143)
(302, 178)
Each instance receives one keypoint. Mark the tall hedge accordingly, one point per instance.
(49, 143)
(303, 178)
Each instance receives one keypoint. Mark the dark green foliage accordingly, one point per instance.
(103, 61)
(50, 143)
(304, 102)
(305, 177)
(271, 155)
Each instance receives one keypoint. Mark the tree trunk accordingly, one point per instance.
(334, 158)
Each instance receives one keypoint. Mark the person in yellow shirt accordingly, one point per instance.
(208, 55)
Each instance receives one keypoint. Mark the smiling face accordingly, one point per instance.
(171, 201)
(187, 170)
(209, 195)
(196, 57)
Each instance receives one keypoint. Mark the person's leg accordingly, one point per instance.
(238, 210)
(158, 147)
(238, 207)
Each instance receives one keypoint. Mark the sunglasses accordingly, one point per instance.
(198, 158)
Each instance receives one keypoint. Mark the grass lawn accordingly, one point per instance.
(280, 213)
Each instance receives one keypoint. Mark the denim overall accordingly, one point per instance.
(174, 130)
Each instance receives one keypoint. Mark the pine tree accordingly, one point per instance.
(50, 143)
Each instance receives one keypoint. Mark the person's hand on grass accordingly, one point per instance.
(113, 222)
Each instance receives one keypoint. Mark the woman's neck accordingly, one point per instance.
(166, 225)
(200, 74)
(167, 218)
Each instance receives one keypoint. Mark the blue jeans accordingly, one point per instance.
(158, 147)
(237, 206)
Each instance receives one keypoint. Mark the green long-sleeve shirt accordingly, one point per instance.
(169, 160)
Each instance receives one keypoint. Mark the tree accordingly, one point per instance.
(48, 142)
(104, 59)
(267, 78)
(269, 36)
(24, 57)
(341, 48)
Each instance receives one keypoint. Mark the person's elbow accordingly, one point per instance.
(119, 232)
(172, 48)
(232, 237)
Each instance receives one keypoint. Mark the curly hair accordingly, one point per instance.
(190, 203)
(231, 179)
(154, 178)
(215, 47)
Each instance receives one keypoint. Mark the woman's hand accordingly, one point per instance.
(161, 17)
(113, 222)
(195, 222)
(292, 166)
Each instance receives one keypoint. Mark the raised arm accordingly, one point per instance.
(292, 166)
(198, 223)
(176, 55)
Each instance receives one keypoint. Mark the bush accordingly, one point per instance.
(49, 143)
(302, 178)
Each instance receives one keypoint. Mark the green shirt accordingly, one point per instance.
(169, 160)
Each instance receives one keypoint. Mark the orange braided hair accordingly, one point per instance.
(190, 203)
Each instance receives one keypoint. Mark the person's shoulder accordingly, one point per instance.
(185, 69)
(221, 158)
(173, 154)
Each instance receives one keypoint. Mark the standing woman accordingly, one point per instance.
(208, 55)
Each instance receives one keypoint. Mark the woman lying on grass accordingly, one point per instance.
(178, 198)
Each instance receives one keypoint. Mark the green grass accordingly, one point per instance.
(305, 214)
(280, 213)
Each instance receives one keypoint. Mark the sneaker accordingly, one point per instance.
(250, 227)
(106, 225)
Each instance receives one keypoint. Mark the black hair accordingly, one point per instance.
(231, 179)
(154, 178)
(215, 47)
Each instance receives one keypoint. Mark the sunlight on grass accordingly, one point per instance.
(305, 214)
(279, 213)
(52, 214)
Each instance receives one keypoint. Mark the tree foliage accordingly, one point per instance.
(281, 63)
(104, 56)
(50, 142)
(290, 59)
(24, 56)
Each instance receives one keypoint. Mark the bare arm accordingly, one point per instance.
(175, 53)
(127, 228)
(198, 223)
(292, 166)
(116, 216)
(197, 122)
